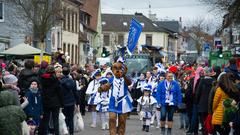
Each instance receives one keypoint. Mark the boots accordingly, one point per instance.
(144, 127)
(147, 129)
(169, 131)
(162, 130)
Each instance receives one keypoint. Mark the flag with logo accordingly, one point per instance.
(134, 34)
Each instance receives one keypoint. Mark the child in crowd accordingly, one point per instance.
(102, 105)
(92, 90)
(146, 104)
(34, 109)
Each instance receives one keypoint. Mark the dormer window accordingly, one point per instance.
(103, 23)
(125, 23)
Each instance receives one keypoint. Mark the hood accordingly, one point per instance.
(208, 80)
(6, 98)
(48, 79)
(27, 72)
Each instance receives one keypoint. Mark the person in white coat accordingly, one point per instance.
(92, 91)
(103, 104)
(146, 105)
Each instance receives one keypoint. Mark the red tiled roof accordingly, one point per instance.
(92, 7)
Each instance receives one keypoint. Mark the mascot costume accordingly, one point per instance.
(120, 100)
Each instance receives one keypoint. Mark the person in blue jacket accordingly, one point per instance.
(34, 110)
(168, 97)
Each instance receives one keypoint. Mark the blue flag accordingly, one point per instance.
(134, 33)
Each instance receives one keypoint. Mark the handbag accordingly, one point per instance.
(62, 124)
(78, 121)
(208, 124)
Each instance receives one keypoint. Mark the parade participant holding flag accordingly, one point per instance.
(169, 97)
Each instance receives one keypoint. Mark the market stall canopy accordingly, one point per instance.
(22, 49)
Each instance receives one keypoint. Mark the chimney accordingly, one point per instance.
(180, 19)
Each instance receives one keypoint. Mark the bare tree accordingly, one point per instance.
(198, 29)
(231, 9)
(41, 15)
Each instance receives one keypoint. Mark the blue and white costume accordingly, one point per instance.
(92, 91)
(120, 99)
(146, 106)
(103, 102)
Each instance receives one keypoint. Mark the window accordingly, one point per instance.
(106, 39)
(64, 47)
(64, 21)
(73, 20)
(76, 54)
(76, 23)
(125, 23)
(148, 39)
(72, 54)
(68, 20)
(121, 40)
(1, 12)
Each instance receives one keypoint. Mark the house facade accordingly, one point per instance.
(13, 28)
(90, 31)
(116, 27)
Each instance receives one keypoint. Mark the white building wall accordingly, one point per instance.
(72, 39)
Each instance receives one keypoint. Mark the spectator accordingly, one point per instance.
(26, 76)
(34, 109)
(82, 87)
(11, 115)
(52, 98)
(11, 83)
(69, 90)
(225, 87)
(202, 94)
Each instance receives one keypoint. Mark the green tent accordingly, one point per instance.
(22, 50)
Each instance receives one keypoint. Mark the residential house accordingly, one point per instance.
(70, 30)
(116, 27)
(13, 28)
(90, 30)
(194, 42)
(175, 40)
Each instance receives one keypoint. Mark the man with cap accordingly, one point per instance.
(145, 107)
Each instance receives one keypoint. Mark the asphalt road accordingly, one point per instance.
(134, 126)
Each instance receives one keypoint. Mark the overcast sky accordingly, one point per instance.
(165, 9)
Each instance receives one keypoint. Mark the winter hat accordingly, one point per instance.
(44, 64)
(31, 122)
(10, 79)
(95, 73)
(147, 88)
(103, 80)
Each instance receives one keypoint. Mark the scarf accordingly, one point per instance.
(33, 90)
(197, 76)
